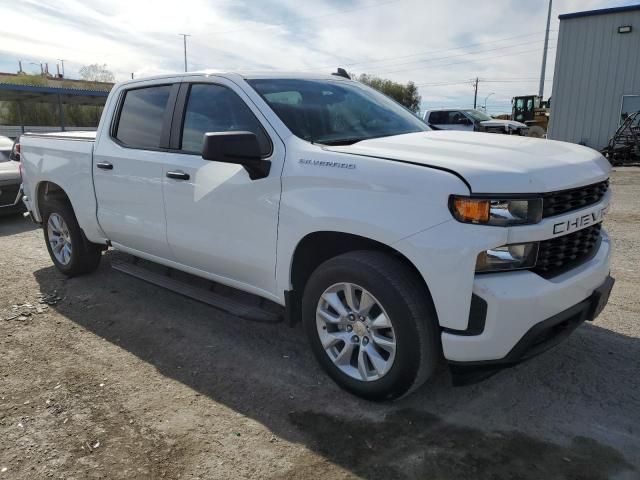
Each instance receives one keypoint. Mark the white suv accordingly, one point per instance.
(473, 121)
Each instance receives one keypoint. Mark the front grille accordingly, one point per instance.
(557, 203)
(8, 194)
(560, 254)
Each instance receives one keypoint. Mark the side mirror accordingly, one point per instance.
(464, 121)
(241, 148)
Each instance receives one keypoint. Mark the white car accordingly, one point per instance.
(392, 244)
(10, 196)
(473, 121)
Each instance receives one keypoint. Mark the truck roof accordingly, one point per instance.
(247, 75)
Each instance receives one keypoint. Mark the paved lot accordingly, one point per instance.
(120, 379)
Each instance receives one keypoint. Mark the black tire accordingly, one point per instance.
(85, 256)
(410, 308)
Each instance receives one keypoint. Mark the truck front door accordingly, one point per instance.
(219, 221)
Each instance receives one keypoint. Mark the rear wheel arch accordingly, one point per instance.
(47, 191)
(316, 248)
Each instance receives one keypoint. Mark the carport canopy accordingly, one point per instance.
(14, 92)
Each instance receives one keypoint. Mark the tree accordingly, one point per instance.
(407, 94)
(46, 113)
(97, 73)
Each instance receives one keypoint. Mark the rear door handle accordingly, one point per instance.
(104, 165)
(178, 175)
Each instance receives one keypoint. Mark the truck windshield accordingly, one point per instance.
(335, 112)
(477, 115)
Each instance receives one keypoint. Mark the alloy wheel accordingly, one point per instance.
(356, 332)
(59, 238)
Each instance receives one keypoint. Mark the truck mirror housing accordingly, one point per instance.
(241, 148)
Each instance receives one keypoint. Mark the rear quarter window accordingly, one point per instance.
(139, 123)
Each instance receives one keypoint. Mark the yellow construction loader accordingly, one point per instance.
(533, 111)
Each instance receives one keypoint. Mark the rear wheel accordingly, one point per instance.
(370, 326)
(70, 251)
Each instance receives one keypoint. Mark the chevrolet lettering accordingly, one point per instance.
(579, 222)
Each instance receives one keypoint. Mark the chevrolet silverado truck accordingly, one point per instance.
(395, 246)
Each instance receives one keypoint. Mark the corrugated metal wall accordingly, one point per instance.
(595, 66)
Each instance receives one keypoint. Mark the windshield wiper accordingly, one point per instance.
(342, 141)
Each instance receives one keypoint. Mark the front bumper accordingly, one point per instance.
(538, 339)
(518, 301)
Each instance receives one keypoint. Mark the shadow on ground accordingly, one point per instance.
(266, 372)
(15, 223)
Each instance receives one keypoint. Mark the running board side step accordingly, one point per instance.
(233, 306)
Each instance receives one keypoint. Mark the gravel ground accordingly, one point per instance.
(105, 376)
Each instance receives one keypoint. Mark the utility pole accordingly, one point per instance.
(544, 53)
(475, 96)
(62, 61)
(184, 37)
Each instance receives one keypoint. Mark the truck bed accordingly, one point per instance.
(87, 135)
(66, 160)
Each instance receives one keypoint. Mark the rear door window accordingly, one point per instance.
(141, 117)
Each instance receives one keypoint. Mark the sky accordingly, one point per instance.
(439, 45)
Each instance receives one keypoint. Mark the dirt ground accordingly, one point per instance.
(105, 376)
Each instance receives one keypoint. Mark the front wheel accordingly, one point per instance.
(370, 325)
(70, 251)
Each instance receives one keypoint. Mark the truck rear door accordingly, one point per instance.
(129, 163)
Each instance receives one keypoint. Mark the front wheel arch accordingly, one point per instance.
(317, 247)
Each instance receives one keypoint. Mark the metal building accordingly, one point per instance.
(597, 74)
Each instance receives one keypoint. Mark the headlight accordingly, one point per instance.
(496, 211)
(508, 257)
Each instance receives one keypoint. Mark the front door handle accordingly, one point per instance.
(104, 165)
(178, 175)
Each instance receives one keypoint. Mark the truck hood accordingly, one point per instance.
(502, 123)
(492, 163)
(9, 173)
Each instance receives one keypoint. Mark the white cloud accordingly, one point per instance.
(400, 39)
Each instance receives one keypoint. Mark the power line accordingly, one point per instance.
(469, 82)
(429, 52)
(461, 54)
(462, 62)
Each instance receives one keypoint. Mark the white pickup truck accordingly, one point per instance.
(394, 245)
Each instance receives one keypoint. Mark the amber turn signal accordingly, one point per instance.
(471, 209)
